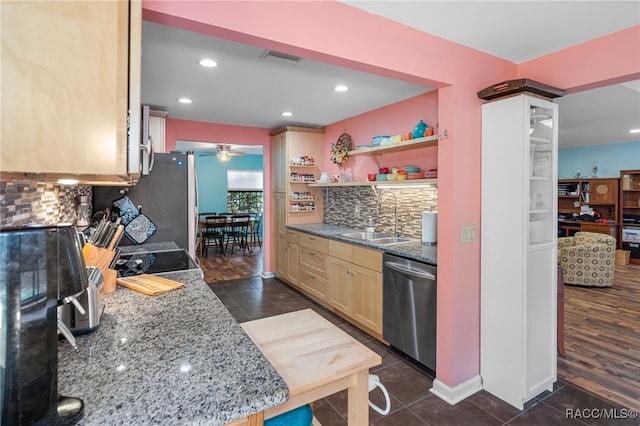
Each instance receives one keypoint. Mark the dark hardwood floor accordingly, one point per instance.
(602, 338)
(602, 330)
(219, 267)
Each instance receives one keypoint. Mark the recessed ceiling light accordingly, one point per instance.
(209, 63)
(184, 100)
(634, 131)
(287, 114)
(341, 88)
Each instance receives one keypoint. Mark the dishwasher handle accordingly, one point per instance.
(398, 267)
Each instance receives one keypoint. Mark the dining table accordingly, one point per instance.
(202, 225)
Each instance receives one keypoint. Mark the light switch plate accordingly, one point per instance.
(467, 234)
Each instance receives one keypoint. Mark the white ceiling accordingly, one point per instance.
(249, 90)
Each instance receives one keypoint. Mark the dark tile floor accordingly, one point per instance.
(411, 401)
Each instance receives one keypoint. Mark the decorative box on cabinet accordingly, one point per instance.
(64, 110)
(518, 250)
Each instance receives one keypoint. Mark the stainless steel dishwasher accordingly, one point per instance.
(409, 308)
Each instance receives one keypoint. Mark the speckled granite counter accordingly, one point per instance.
(178, 358)
(415, 250)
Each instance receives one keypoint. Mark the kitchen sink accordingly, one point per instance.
(390, 240)
(365, 235)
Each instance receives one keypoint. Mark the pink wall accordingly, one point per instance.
(370, 43)
(608, 60)
(390, 120)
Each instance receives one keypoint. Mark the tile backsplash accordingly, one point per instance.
(352, 206)
(26, 201)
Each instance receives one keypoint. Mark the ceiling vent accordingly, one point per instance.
(272, 54)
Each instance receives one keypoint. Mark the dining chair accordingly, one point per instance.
(237, 232)
(214, 233)
(256, 232)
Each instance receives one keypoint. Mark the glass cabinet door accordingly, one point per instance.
(542, 122)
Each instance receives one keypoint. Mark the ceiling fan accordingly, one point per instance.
(224, 153)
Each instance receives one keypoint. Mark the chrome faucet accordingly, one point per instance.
(395, 209)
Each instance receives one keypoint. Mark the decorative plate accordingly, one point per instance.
(344, 142)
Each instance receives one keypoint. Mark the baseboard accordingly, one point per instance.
(455, 394)
(268, 274)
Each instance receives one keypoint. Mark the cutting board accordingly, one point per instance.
(150, 285)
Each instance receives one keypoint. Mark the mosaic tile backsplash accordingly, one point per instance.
(23, 202)
(352, 206)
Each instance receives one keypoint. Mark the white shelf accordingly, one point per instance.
(302, 210)
(302, 181)
(302, 165)
(408, 182)
(398, 147)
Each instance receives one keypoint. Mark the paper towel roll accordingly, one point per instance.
(429, 227)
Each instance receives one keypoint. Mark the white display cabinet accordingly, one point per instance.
(518, 247)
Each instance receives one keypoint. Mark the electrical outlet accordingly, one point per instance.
(467, 234)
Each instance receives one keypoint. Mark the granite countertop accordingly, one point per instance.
(415, 250)
(176, 358)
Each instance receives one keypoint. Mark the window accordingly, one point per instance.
(244, 191)
(244, 180)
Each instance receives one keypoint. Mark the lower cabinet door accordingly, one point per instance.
(340, 291)
(367, 298)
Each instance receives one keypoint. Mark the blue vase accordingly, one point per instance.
(418, 131)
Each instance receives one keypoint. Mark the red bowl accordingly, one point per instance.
(383, 170)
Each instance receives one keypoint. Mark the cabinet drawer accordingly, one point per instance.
(368, 258)
(291, 236)
(312, 283)
(317, 243)
(601, 228)
(313, 260)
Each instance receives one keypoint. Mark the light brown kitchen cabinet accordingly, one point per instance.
(291, 257)
(340, 289)
(157, 125)
(70, 72)
(286, 143)
(278, 230)
(355, 284)
(312, 273)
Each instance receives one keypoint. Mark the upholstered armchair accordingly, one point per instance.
(588, 259)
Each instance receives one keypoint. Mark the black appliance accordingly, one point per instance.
(154, 263)
(167, 197)
(43, 267)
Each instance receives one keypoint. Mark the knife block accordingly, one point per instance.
(101, 258)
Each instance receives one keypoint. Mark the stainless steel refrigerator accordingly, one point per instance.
(167, 196)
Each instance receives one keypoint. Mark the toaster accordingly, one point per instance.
(91, 299)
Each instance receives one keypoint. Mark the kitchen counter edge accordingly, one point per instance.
(414, 250)
(176, 358)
